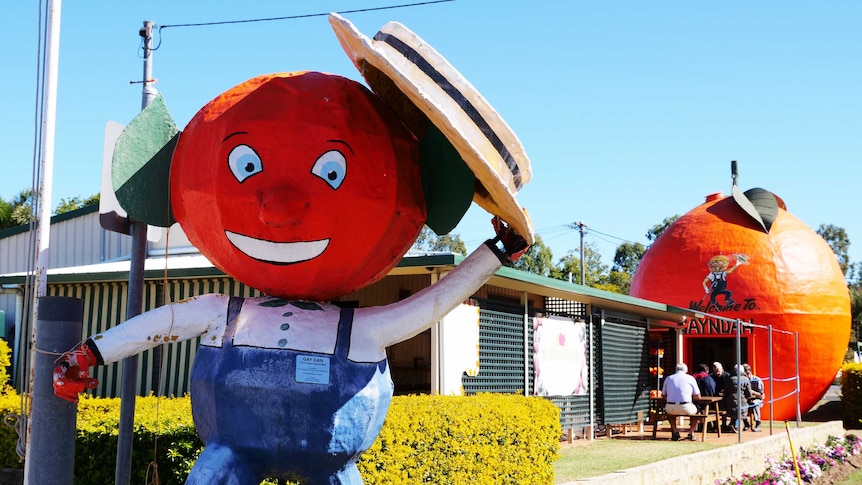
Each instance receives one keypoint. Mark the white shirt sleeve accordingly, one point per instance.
(376, 328)
(170, 323)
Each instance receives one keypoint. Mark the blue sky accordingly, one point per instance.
(629, 111)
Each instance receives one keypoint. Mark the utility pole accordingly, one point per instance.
(135, 295)
(583, 228)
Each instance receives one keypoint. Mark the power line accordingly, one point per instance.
(614, 237)
(292, 17)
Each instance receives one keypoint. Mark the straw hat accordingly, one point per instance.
(408, 74)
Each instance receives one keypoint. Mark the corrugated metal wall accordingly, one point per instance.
(76, 239)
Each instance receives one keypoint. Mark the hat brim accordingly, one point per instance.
(487, 145)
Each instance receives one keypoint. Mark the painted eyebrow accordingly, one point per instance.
(343, 143)
(233, 134)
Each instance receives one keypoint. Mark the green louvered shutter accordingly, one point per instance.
(624, 376)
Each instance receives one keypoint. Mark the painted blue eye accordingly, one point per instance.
(244, 162)
(331, 167)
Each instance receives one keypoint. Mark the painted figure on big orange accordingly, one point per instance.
(715, 282)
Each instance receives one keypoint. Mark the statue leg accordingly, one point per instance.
(220, 465)
(349, 475)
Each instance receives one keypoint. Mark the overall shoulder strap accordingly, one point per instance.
(345, 327)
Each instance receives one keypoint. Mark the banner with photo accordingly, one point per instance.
(560, 357)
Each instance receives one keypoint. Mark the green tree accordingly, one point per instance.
(68, 205)
(626, 259)
(429, 241)
(855, 312)
(655, 231)
(6, 214)
(537, 260)
(19, 209)
(22, 207)
(837, 239)
(568, 268)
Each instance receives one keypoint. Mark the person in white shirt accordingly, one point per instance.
(680, 390)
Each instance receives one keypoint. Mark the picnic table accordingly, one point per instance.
(710, 413)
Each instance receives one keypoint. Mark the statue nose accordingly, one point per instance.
(283, 206)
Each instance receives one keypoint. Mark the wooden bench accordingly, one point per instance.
(710, 414)
(706, 418)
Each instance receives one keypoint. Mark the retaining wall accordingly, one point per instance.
(705, 467)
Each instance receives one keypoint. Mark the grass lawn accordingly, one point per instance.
(608, 455)
(855, 478)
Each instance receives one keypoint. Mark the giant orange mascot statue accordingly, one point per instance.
(308, 186)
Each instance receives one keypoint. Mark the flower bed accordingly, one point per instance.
(813, 462)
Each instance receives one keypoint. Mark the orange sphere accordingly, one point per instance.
(718, 260)
(302, 185)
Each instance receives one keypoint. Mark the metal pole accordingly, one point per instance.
(525, 299)
(796, 349)
(43, 198)
(122, 474)
(52, 444)
(592, 369)
(771, 382)
(738, 380)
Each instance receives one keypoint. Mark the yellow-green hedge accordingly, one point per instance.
(96, 442)
(851, 395)
(488, 438)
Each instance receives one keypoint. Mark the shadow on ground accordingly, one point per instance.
(828, 411)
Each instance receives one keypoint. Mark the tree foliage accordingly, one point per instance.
(430, 241)
(856, 312)
(537, 260)
(19, 209)
(74, 203)
(837, 239)
(569, 267)
(655, 231)
(626, 259)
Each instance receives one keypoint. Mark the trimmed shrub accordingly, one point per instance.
(5, 362)
(10, 403)
(96, 442)
(486, 438)
(163, 430)
(851, 395)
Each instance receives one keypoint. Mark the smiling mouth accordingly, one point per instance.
(276, 252)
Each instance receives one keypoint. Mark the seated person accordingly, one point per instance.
(736, 398)
(707, 386)
(723, 386)
(680, 390)
(755, 402)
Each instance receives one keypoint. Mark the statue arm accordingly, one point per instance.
(170, 323)
(393, 323)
